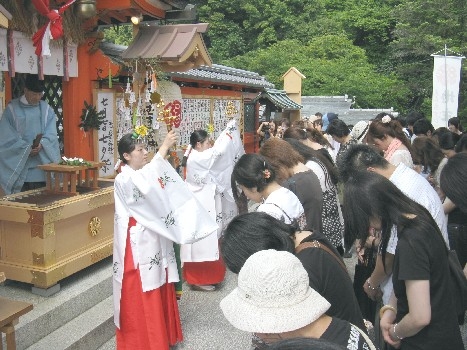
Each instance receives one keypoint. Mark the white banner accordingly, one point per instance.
(446, 77)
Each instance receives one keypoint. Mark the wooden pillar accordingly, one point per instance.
(93, 69)
(8, 88)
(75, 92)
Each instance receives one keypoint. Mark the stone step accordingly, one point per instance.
(110, 344)
(78, 293)
(89, 330)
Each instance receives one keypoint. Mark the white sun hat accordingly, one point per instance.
(360, 130)
(273, 295)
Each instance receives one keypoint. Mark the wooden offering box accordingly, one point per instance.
(46, 236)
(64, 179)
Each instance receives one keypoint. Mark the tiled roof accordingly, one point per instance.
(174, 43)
(340, 105)
(113, 51)
(325, 104)
(223, 74)
(352, 116)
(279, 98)
(216, 73)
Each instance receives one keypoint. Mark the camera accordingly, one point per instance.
(265, 128)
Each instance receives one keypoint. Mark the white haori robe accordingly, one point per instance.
(208, 177)
(165, 211)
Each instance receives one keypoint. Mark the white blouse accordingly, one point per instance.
(285, 206)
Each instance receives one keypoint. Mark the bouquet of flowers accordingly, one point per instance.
(140, 132)
(73, 161)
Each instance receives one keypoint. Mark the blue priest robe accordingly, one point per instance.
(19, 126)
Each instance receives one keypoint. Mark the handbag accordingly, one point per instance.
(363, 271)
(459, 285)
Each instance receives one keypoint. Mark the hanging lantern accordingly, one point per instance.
(86, 8)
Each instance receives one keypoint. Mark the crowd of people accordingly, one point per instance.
(284, 218)
(394, 190)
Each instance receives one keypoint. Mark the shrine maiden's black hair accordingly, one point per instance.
(126, 145)
(196, 136)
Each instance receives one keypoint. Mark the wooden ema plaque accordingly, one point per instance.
(66, 178)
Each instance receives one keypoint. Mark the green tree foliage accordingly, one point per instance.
(238, 27)
(332, 66)
(120, 35)
(423, 28)
(377, 50)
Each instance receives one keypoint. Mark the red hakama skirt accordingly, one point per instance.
(148, 320)
(205, 272)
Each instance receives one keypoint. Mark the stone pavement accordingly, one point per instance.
(70, 316)
(204, 326)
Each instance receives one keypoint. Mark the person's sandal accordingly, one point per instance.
(203, 287)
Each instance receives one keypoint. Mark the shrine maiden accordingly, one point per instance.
(153, 209)
(208, 171)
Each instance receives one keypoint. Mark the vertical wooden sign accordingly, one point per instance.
(106, 150)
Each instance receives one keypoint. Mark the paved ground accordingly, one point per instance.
(204, 326)
(201, 334)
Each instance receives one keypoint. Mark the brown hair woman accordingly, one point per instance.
(293, 174)
(387, 135)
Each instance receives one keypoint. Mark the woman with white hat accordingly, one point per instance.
(274, 300)
(249, 233)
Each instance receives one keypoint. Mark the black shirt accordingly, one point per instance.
(421, 255)
(345, 334)
(307, 188)
(330, 280)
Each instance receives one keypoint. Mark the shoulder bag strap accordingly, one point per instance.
(366, 337)
(317, 244)
(288, 217)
